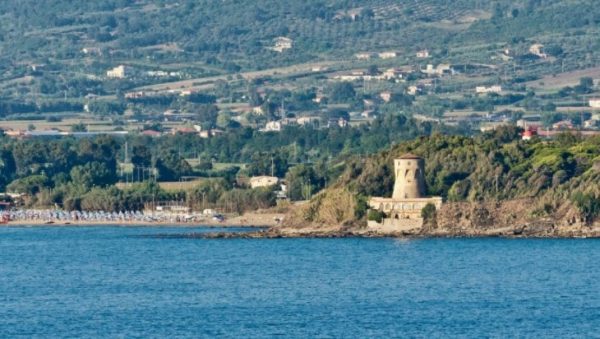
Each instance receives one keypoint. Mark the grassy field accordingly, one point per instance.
(208, 82)
(172, 186)
(558, 81)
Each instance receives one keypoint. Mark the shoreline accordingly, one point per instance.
(248, 220)
(29, 224)
(269, 232)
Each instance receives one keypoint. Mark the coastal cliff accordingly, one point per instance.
(493, 185)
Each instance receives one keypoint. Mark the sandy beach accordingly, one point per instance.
(251, 220)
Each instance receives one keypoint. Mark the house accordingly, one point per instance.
(151, 133)
(119, 72)
(388, 55)
(590, 123)
(187, 92)
(258, 110)
(528, 134)
(391, 74)
(319, 98)
(308, 120)
(163, 74)
(349, 77)
(281, 44)
(492, 89)
(441, 69)
(339, 122)
(273, 126)
(594, 103)
(414, 89)
(263, 181)
(538, 50)
(91, 51)
(363, 56)
(562, 125)
(135, 95)
(37, 67)
(386, 96)
(368, 114)
(14, 133)
(185, 130)
(210, 133)
(529, 122)
(423, 54)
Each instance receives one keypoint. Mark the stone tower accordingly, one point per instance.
(410, 181)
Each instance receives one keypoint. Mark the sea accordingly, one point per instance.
(127, 282)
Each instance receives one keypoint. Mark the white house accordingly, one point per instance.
(388, 55)
(273, 126)
(595, 103)
(423, 54)
(263, 181)
(281, 43)
(491, 89)
(119, 72)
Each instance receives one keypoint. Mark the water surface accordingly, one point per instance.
(109, 282)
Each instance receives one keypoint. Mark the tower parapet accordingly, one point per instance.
(410, 181)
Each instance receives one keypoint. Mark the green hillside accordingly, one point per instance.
(494, 167)
(231, 34)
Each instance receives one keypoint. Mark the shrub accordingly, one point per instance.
(429, 212)
(375, 215)
(588, 205)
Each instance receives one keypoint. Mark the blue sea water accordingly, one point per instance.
(109, 282)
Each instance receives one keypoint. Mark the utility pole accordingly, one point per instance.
(126, 151)
(272, 166)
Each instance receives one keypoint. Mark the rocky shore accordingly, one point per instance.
(510, 219)
(523, 231)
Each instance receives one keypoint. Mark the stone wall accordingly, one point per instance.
(395, 225)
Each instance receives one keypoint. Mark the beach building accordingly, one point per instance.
(403, 210)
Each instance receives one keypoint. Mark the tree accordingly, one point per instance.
(588, 205)
(80, 127)
(267, 164)
(207, 115)
(372, 70)
(92, 174)
(303, 182)
(341, 92)
(428, 213)
(586, 86)
(375, 215)
(224, 119)
(172, 167)
(141, 156)
(106, 107)
(29, 185)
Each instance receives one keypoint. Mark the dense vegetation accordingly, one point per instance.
(43, 43)
(491, 167)
(81, 173)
